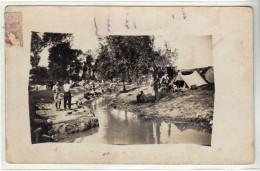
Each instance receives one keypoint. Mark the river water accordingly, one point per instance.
(121, 127)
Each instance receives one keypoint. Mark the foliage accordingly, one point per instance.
(53, 39)
(161, 58)
(40, 41)
(39, 75)
(37, 45)
(126, 58)
(129, 57)
(63, 63)
(88, 64)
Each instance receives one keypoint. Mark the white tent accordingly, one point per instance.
(192, 79)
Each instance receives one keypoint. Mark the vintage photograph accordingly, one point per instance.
(160, 85)
(141, 89)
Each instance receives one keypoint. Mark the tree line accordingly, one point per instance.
(130, 57)
(126, 58)
(63, 62)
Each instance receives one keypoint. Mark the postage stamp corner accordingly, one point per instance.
(13, 29)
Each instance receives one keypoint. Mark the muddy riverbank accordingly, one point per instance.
(113, 117)
(194, 106)
(50, 125)
(121, 127)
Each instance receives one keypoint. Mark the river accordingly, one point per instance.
(123, 128)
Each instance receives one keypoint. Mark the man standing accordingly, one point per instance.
(67, 94)
(164, 82)
(156, 86)
(55, 87)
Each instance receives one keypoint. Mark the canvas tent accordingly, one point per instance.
(209, 75)
(191, 79)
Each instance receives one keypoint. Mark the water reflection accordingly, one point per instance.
(169, 130)
(158, 131)
(121, 127)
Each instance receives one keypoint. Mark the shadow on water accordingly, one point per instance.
(121, 127)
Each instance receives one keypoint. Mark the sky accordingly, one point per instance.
(194, 51)
(78, 43)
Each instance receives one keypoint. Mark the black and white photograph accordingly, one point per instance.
(121, 89)
(129, 85)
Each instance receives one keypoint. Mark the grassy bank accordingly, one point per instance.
(192, 105)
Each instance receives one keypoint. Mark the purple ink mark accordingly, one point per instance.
(134, 25)
(96, 27)
(183, 13)
(126, 22)
(108, 24)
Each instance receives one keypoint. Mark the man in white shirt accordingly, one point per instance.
(67, 94)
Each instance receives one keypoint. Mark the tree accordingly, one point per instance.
(53, 39)
(39, 74)
(124, 57)
(88, 64)
(63, 62)
(34, 60)
(104, 65)
(37, 45)
(129, 57)
(40, 41)
(162, 58)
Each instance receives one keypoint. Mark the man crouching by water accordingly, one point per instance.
(141, 98)
(67, 94)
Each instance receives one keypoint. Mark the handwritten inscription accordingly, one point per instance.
(127, 21)
(108, 24)
(183, 13)
(96, 27)
(105, 154)
(134, 25)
